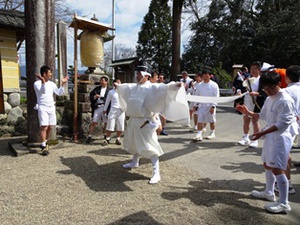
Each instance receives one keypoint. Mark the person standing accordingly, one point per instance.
(206, 111)
(97, 97)
(116, 115)
(237, 85)
(254, 101)
(193, 111)
(186, 80)
(292, 79)
(140, 101)
(44, 89)
(279, 114)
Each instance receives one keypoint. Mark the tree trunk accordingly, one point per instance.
(40, 45)
(176, 37)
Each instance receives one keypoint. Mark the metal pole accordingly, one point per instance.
(75, 118)
(113, 40)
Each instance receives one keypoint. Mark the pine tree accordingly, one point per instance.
(154, 38)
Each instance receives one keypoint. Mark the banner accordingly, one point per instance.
(207, 99)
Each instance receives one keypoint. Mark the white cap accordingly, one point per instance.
(267, 67)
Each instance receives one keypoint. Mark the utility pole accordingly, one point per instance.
(113, 40)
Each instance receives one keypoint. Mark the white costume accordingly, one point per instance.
(254, 87)
(278, 110)
(186, 82)
(115, 113)
(192, 91)
(210, 89)
(45, 101)
(140, 100)
(293, 90)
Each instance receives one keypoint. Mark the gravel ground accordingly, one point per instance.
(86, 184)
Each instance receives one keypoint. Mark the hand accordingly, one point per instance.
(40, 77)
(96, 96)
(255, 136)
(253, 94)
(65, 80)
(212, 110)
(242, 108)
(180, 84)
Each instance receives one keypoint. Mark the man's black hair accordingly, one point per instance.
(269, 79)
(115, 80)
(293, 73)
(205, 71)
(105, 78)
(44, 69)
(257, 64)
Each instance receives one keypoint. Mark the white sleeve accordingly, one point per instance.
(108, 100)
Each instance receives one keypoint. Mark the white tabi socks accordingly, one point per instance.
(133, 164)
(156, 175)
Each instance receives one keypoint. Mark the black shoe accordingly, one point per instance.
(163, 133)
(88, 140)
(106, 142)
(118, 142)
(45, 150)
(297, 164)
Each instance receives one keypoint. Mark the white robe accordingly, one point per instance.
(278, 110)
(139, 102)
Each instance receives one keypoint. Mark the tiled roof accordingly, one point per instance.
(12, 19)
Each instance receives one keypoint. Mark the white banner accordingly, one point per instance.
(206, 99)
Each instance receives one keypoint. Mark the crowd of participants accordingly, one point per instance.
(272, 94)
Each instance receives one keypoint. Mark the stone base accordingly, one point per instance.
(19, 149)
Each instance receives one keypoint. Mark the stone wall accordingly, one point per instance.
(14, 121)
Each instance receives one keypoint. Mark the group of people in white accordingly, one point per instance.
(145, 102)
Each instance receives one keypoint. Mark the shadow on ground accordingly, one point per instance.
(208, 193)
(137, 218)
(106, 177)
(4, 145)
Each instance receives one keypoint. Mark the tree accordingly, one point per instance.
(243, 31)
(154, 38)
(62, 10)
(225, 34)
(176, 37)
(121, 52)
(278, 30)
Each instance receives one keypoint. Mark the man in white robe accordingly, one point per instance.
(140, 101)
(279, 114)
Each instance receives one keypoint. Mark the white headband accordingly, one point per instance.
(145, 73)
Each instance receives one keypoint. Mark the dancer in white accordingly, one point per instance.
(116, 114)
(206, 111)
(140, 101)
(279, 114)
(44, 89)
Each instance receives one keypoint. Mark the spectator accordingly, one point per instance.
(97, 97)
(44, 89)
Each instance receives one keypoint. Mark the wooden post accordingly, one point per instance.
(75, 119)
(40, 50)
(2, 110)
(62, 53)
